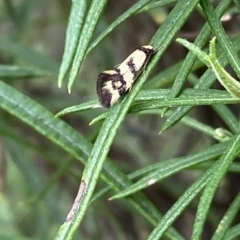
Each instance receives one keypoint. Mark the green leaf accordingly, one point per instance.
(222, 166)
(168, 75)
(89, 26)
(237, 3)
(122, 18)
(22, 52)
(75, 23)
(16, 72)
(179, 206)
(231, 84)
(43, 121)
(224, 40)
(196, 50)
(164, 169)
(227, 219)
(189, 60)
(233, 233)
(78, 108)
(204, 82)
(148, 103)
(162, 38)
(228, 117)
(157, 4)
(74, 143)
(155, 99)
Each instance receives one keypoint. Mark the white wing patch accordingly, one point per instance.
(115, 97)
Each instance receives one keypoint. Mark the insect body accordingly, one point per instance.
(112, 84)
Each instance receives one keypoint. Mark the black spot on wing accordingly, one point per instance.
(104, 95)
(120, 87)
(105, 98)
(132, 67)
(115, 82)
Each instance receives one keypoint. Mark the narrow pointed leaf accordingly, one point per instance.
(76, 19)
(222, 166)
(89, 26)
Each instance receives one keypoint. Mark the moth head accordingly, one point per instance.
(148, 47)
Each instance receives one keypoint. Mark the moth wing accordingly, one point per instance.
(112, 84)
(107, 92)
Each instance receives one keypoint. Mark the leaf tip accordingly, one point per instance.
(59, 83)
(164, 111)
(164, 128)
(59, 114)
(93, 121)
(180, 40)
(97, 105)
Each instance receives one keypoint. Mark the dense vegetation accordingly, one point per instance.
(192, 165)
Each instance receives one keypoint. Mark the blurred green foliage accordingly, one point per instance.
(43, 157)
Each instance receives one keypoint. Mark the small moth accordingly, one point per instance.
(112, 84)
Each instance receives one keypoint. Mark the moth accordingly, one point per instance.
(112, 84)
